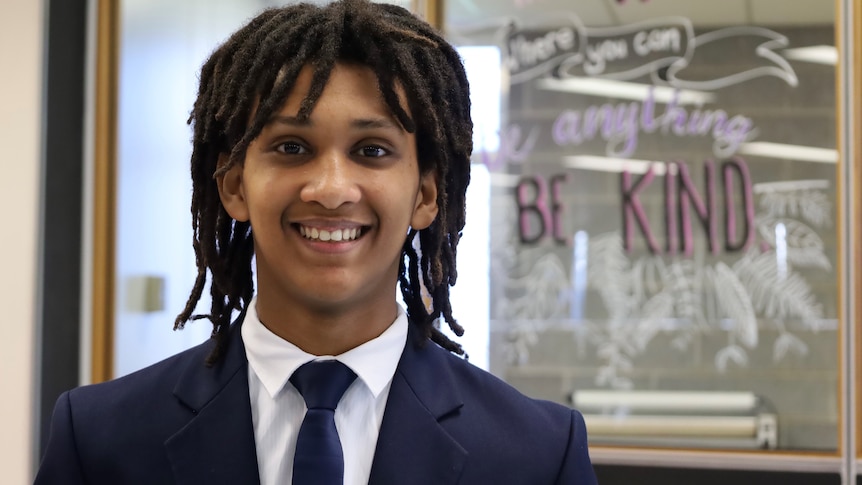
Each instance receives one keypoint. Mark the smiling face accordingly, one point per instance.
(330, 200)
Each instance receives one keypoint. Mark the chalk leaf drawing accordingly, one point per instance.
(731, 353)
(813, 206)
(732, 297)
(778, 296)
(529, 288)
(786, 344)
(804, 247)
(683, 299)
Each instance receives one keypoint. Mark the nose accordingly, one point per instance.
(331, 181)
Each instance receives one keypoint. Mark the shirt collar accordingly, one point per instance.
(274, 359)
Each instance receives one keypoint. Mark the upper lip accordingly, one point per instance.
(330, 224)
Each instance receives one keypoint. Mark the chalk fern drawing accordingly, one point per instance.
(651, 295)
(530, 287)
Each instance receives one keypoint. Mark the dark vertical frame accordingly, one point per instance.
(59, 303)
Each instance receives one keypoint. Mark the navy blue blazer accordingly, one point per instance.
(181, 422)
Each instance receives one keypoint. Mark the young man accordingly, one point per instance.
(327, 142)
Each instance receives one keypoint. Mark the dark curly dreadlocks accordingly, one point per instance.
(259, 65)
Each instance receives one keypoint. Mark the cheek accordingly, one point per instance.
(267, 200)
(402, 203)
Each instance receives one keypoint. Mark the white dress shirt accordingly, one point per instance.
(277, 408)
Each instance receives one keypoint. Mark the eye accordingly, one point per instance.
(291, 148)
(372, 151)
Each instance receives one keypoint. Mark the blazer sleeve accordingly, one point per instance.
(577, 468)
(61, 463)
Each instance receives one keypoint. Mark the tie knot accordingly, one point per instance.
(322, 383)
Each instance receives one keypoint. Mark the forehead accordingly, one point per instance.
(348, 86)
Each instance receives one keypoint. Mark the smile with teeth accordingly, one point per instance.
(336, 235)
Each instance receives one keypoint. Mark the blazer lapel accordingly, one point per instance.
(412, 446)
(217, 446)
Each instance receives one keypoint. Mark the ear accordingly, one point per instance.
(425, 209)
(231, 191)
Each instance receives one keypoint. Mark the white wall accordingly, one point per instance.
(21, 32)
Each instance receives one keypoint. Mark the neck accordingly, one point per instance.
(328, 329)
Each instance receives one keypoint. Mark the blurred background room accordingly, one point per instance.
(663, 224)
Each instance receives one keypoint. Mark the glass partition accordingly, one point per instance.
(663, 232)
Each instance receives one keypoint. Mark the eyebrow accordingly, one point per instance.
(362, 123)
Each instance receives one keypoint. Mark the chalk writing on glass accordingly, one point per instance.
(515, 147)
(533, 53)
(541, 210)
(648, 296)
(775, 65)
(684, 203)
(620, 125)
(648, 45)
(662, 48)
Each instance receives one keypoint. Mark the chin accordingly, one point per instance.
(334, 299)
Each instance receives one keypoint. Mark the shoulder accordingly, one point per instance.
(118, 428)
(138, 410)
(481, 388)
(512, 436)
(147, 384)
